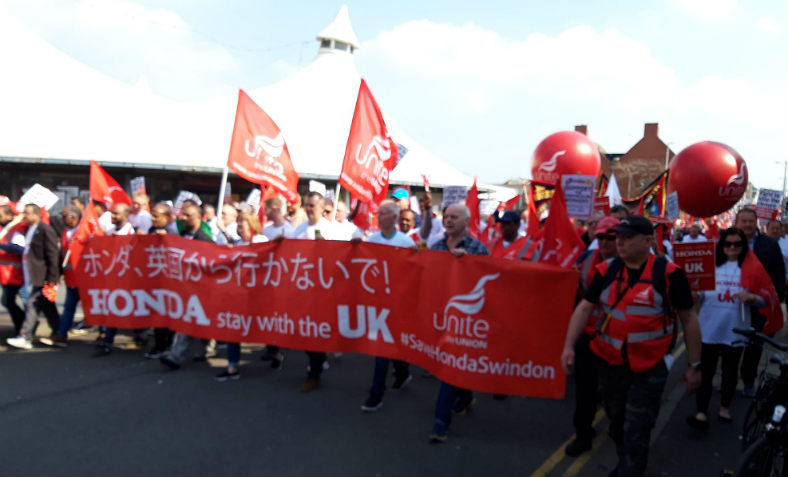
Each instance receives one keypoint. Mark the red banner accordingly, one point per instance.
(481, 323)
(370, 153)
(258, 152)
(697, 260)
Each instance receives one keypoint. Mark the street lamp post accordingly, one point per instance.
(785, 174)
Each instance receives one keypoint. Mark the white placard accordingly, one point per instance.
(770, 199)
(183, 196)
(579, 195)
(254, 199)
(39, 195)
(315, 186)
(453, 194)
(672, 205)
(138, 185)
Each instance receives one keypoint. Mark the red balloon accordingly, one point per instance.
(564, 152)
(709, 178)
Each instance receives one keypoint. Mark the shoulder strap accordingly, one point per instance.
(525, 248)
(659, 279)
(612, 269)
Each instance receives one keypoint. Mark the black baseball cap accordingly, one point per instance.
(508, 216)
(635, 225)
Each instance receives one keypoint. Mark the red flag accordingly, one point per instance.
(512, 203)
(561, 245)
(472, 202)
(370, 153)
(88, 226)
(103, 188)
(258, 152)
(361, 219)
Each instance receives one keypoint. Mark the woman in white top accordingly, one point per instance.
(249, 229)
(721, 310)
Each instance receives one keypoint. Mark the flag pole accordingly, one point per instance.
(336, 199)
(222, 188)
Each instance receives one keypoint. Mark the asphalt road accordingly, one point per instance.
(63, 412)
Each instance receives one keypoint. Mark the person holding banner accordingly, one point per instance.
(71, 216)
(192, 230)
(278, 225)
(508, 245)
(633, 338)
(585, 375)
(41, 268)
(316, 227)
(161, 224)
(453, 399)
(768, 252)
(388, 235)
(720, 312)
(12, 245)
(227, 225)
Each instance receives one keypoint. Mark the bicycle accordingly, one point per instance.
(764, 433)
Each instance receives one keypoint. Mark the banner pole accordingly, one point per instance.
(222, 188)
(336, 199)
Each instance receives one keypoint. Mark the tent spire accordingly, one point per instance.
(338, 36)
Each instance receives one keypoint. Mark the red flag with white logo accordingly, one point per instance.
(258, 152)
(370, 153)
(472, 202)
(561, 245)
(103, 188)
(88, 227)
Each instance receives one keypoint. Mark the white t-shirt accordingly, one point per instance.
(397, 240)
(720, 312)
(105, 221)
(127, 229)
(272, 231)
(306, 231)
(142, 221)
(255, 239)
(232, 231)
(346, 230)
(699, 238)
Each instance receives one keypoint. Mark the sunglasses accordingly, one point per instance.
(736, 244)
(606, 237)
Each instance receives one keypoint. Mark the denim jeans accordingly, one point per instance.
(233, 354)
(69, 309)
(381, 370)
(448, 397)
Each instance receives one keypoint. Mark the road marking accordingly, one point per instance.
(579, 462)
(559, 454)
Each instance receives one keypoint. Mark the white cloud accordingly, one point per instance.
(707, 9)
(121, 15)
(767, 25)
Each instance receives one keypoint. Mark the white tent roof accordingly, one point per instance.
(340, 29)
(56, 108)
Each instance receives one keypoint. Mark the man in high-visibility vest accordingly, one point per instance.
(12, 244)
(638, 293)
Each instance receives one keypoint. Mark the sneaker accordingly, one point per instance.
(170, 362)
(226, 376)
(20, 342)
(101, 350)
(749, 390)
(577, 447)
(80, 328)
(438, 437)
(153, 354)
(310, 385)
(462, 408)
(372, 404)
(277, 361)
(56, 341)
(400, 383)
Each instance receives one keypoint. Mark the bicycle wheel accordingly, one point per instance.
(753, 424)
(764, 458)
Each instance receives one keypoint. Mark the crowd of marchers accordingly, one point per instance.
(631, 302)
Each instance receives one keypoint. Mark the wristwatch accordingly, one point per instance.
(696, 366)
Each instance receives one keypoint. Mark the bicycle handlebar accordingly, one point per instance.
(751, 334)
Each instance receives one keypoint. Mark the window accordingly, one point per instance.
(325, 43)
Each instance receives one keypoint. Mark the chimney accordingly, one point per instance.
(651, 130)
(582, 129)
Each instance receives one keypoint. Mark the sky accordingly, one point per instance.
(477, 83)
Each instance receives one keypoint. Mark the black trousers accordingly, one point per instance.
(632, 403)
(586, 388)
(9, 302)
(752, 354)
(709, 356)
(316, 360)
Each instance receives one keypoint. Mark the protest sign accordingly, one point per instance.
(672, 205)
(315, 186)
(336, 296)
(697, 260)
(578, 195)
(38, 195)
(453, 194)
(254, 199)
(770, 199)
(183, 196)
